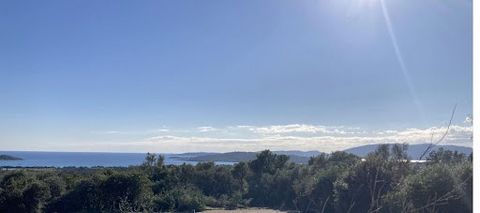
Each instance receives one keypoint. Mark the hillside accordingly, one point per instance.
(247, 156)
(298, 153)
(302, 157)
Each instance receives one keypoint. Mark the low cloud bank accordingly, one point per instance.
(278, 137)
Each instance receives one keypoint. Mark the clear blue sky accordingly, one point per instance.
(73, 70)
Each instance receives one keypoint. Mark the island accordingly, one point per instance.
(9, 157)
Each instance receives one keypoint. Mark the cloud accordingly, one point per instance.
(468, 120)
(276, 137)
(206, 129)
(298, 128)
(459, 135)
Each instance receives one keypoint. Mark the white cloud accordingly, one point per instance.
(280, 137)
(459, 135)
(468, 120)
(206, 129)
(298, 128)
(292, 128)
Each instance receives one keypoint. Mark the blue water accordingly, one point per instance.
(84, 159)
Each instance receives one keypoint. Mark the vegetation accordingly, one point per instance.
(385, 181)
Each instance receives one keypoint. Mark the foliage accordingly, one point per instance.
(385, 181)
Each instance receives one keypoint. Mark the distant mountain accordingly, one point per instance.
(189, 155)
(295, 156)
(298, 153)
(9, 157)
(226, 157)
(195, 153)
(414, 151)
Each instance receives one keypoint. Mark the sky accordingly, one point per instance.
(223, 75)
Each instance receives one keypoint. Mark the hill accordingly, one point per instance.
(299, 157)
(298, 153)
(414, 150)
(9, 157)
(302, 157)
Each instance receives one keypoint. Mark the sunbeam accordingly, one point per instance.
(403, 67)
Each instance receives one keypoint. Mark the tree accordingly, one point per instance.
(12, 187)
(183, 198)
(365, 185)
(267, 162)
(34, 197)
(130, 192)
(337, 182)
(56, 185)
(240, 172)
(433, 190)
(446, 156)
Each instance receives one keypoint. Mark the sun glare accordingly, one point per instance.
(401, 62)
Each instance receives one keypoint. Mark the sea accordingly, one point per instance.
(88, 159)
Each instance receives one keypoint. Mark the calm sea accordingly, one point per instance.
(85, 159)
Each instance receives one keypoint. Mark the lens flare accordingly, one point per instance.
(403, 67)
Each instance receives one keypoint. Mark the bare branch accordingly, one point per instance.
(325, 204)
(433, 144)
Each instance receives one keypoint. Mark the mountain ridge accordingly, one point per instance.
(414, 151)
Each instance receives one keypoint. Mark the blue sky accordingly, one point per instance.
(211, 75)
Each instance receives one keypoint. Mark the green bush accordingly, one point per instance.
(339, 182)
